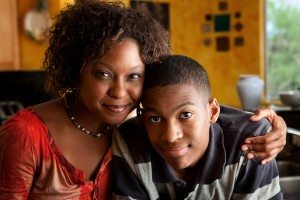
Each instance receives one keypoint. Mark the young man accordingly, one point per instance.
(188, 150)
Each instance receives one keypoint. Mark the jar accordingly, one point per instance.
(249, 88)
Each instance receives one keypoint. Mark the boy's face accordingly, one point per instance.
(177, 121)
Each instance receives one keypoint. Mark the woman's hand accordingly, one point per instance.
(266, 147)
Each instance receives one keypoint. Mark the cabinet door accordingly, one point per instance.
(9, 43)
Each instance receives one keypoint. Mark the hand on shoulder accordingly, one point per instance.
(268, 146)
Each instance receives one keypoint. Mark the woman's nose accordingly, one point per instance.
(118, 89)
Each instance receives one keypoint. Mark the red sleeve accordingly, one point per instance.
(17, 159)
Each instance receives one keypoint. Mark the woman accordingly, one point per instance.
(95, 66)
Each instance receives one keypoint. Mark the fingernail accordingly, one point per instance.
(244, 148)
(250, 156)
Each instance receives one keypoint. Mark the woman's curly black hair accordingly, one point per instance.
(84, 32)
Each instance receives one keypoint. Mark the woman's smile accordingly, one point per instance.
(117, 108)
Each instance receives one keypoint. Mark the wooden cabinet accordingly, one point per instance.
(9, 43)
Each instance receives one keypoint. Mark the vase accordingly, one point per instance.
(249, 88)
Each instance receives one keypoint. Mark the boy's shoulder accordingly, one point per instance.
(236, 120)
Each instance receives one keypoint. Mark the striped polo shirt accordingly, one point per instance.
(223, 172)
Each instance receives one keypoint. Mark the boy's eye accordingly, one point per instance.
(134, 76)
(155, 119)
(186, 115)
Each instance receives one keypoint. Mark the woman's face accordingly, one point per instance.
(111, 89)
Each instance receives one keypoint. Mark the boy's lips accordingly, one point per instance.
(116, 108)
(174, 151)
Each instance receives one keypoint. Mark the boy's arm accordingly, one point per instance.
(267, 147)
(256, 181)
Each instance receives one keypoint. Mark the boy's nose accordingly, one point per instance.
(118, 89)
(171, 132)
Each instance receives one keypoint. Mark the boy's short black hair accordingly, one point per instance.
(177, 69)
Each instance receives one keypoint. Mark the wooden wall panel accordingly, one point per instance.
(9, 51)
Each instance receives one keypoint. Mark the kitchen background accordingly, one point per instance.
(227, 37)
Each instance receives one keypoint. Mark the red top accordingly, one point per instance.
(32, 166)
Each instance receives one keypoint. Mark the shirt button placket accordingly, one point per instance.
(96, 192)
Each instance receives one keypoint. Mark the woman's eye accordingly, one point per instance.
(155, 119)
(186, 115)
(102, 74)
(134, 76)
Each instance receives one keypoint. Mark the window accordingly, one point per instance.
(283, 46)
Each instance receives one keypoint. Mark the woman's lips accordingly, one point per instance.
(174, 151)
(116, 108)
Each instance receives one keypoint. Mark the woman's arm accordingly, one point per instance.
(16, 161)
(268, 146)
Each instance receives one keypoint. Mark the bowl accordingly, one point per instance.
(290, 98)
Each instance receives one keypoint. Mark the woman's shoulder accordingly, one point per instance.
(23, 123)
(31, 122)
(25, 115)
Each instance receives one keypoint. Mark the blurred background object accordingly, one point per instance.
(37, 21)
(20, 89)
(290, 98)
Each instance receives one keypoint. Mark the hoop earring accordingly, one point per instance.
(139, 110)
(72, 95)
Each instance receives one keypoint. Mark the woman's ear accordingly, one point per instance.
(214, 110)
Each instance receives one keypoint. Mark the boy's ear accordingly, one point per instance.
(214, 110)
